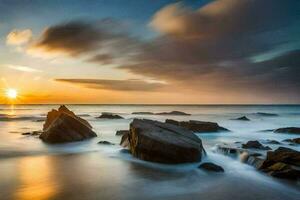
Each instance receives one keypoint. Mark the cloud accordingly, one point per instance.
(72, 38)
(22, 68)
(117, 85)
(19, 37)
(101, 58)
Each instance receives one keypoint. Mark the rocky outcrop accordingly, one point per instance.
(244, 118)
(198, 126)
(211, 167)
(162, 142)
(109, 116)
(290, 130)
(122, 132)
(282, 163)
(255, 145)
(272, 142)
(173, 113)
(63, 125)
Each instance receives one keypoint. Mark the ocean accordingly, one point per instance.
(31, 169)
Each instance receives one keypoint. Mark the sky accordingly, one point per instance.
(150, 52)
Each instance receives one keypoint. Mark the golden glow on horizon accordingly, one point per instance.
(11, 93)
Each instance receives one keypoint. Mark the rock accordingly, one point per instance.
(255, 145)
(295, 140)
(106, 143)
(53, 115)
(33, 133)
(142, 113)
(267, 114)
(272, 142)
(162, 142)
(197, 126)
(64, 126)
(109, 116)
(244, 118)
(282, 163)
(211, 167)
(125, 140)
(291, 130)
(122, 132)
(173, 113)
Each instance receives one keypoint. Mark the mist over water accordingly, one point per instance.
(30, 168)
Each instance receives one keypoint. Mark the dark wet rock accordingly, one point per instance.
(109, 116)
(106, 142)
(33, 133)
(125, 140)
(268, 130)
(143, 113)
(291, 130)
(294, 141)
(244, 118)
(282, 163)
(208, 166)
(122, 132)
(267, 114)
(63, 125)
(162, 142)
(173, 113)
(272, 142)
(198, 126)
(255, 145)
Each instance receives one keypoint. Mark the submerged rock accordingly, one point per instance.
(282, 163)
(197, 126)
(295, 140)
(33, 133)
(109, 116)
(122, 132)
(63, 125)
(161, 142)
(291, 130)
(173, 113)
(244, 118)
(255, 145)
(267, 114)
(143, 113)
(105, 142)
(272, 142)
(211, 167)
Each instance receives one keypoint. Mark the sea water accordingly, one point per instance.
(31, 169)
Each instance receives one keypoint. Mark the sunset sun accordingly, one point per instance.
(11, 93)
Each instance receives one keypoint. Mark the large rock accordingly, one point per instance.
(198, 126)
(282, 163)
(161, 142)
(294, 140)
(53, 114)
(291, 130)
(267, 114)
(63, 125)
(254, 144)
(143, 113)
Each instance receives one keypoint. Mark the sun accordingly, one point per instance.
(11, 93)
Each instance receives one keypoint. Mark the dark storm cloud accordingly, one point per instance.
(119, 85)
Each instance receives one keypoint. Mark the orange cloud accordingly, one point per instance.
(18, 37)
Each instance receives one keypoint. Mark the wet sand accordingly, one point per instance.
(96, 176)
